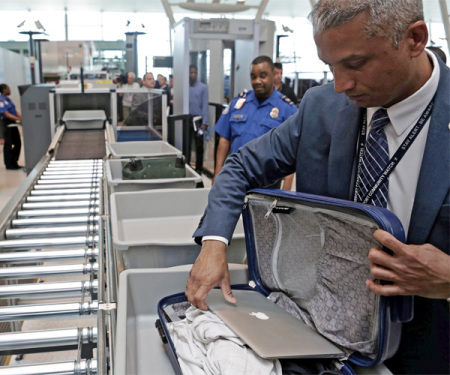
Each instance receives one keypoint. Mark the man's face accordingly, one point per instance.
(371, 72)
(171, 81)
(192, 76)
(149, 81)
(6, 91)
(262, 80)
(161, 80)
(277, 76)
(130, 79)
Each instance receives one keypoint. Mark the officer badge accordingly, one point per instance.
(274, 113)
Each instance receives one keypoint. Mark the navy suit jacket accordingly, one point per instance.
(319, 144)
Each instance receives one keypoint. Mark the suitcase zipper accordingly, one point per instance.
(269, 211)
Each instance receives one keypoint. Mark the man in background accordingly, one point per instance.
(9, 117)
(198, 107)
(280, 86)
(128, 96)
(252, 113)
(145, 104)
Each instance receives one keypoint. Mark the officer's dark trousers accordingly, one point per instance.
(198, 153)
(12, 146)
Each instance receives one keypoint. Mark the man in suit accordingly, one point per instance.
(376, 51)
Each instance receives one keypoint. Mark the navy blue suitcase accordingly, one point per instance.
(308, 254)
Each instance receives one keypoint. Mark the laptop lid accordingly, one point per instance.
(269, 330)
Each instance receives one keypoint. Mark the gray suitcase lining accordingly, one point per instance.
(315, 262)
(318, 259)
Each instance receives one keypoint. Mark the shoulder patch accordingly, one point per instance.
(226, 110)
(243, 94)
(287, 100)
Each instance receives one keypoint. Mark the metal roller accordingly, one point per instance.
(60, 205)
(69, 181)
(83, 367)
(61, 170)
(29, 272)
(59, 231)
(42, 255)
(49, 310)
(76, 162)
(61, 192)
(47, 338)
(52, 221)
(69, 176)
(94, 185)
(58, 198)
(49, 290)
(58, 213)
(43, 243)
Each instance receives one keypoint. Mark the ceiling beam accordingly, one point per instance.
(261, 9)
(169, 12)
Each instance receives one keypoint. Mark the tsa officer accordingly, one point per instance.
(8, 118)
(252, 113)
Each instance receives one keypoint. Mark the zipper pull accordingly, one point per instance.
(245, 203)
(272, 206)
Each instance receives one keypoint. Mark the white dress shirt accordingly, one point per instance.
(403, 116)
(128, 96)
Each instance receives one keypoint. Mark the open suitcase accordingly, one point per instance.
(308, 254)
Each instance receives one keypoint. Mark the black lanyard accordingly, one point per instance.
(401, 151)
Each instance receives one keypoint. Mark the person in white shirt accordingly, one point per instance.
(128, 97)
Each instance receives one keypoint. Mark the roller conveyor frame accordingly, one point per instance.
(31, 218)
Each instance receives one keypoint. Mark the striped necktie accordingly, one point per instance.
(374, 161)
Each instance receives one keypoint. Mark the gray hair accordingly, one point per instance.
(387, 18)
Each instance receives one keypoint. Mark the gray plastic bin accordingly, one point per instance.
(153, 229)
(84, 119)
(142, 149)
(139, 349)
(118, 184)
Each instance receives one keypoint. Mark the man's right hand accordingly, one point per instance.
(209, 270)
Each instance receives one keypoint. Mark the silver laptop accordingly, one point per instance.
(269, 330)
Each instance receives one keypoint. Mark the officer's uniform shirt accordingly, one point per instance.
(6, 105)
(246, 119)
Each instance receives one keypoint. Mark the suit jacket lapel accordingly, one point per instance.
(435, 170)
(342, 151)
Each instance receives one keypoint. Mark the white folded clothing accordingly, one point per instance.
(205, 345)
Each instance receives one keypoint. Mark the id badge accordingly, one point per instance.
(240, 103)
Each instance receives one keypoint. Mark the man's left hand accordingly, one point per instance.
(421, 270)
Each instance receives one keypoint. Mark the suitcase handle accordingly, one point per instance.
(161, 332)
(402, 309)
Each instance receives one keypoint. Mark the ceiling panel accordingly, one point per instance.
(286, 8)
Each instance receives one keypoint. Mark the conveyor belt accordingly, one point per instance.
(52, 225)
(82, 144)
